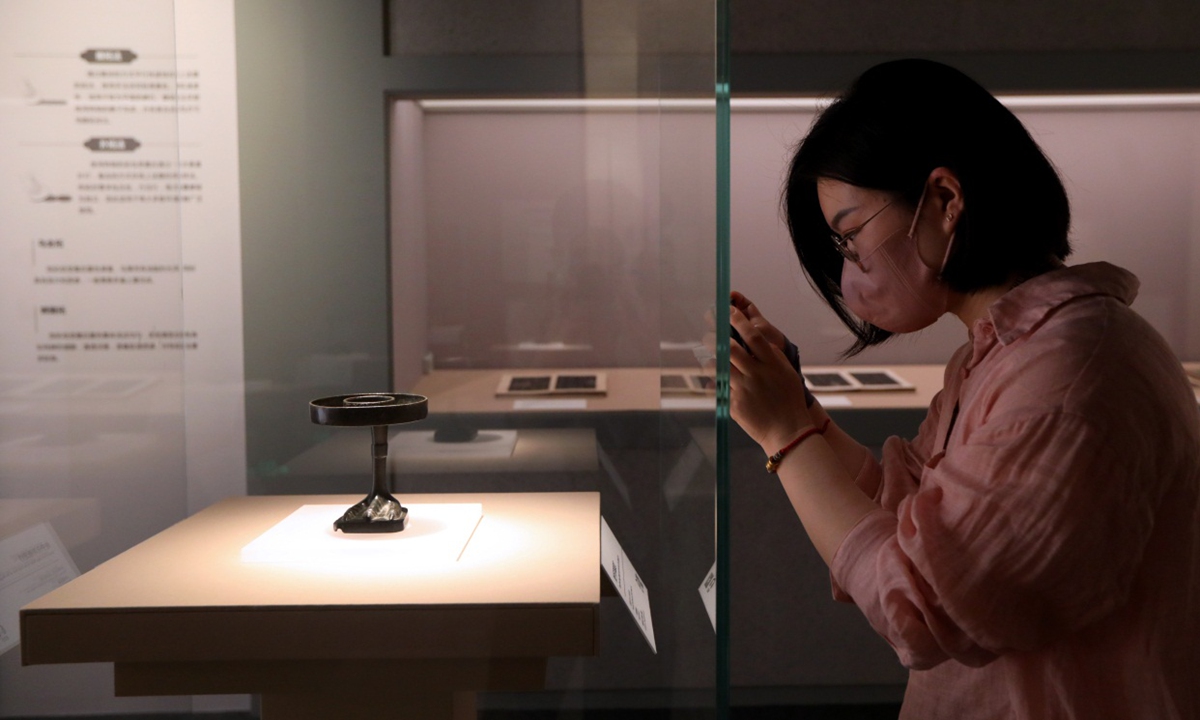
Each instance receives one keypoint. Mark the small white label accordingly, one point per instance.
(704, 403)
(629, 585)
(32, 563)
(550, 404)
(834, 401)
(708, 595)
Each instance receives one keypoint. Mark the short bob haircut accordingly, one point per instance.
(895, 125)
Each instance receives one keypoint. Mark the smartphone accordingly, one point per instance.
(737, 336)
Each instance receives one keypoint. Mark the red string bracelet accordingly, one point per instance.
(774, 461)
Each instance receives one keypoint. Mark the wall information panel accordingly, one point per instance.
(119, 219)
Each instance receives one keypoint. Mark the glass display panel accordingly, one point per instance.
(574, 244)
(553, 277)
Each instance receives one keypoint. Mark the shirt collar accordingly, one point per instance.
(1021, 309)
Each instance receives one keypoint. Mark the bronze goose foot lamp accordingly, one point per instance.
(379, 512)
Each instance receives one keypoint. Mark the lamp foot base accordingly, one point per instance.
(378, 513)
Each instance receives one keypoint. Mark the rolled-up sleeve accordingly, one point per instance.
(899, 477)
(1031, 529)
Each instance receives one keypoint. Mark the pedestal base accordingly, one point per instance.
(379, 704)
(348, 690)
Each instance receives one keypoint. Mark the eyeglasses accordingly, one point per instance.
(842, 240)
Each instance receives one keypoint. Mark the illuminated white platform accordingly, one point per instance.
(436, 535)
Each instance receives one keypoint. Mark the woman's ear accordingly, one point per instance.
(945, 196)
(943, 207)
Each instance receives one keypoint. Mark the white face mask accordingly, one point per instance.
(892, 288)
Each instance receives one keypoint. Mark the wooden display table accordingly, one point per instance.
(473, 391)
(183, 613)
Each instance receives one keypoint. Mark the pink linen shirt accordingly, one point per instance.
(1036, 554)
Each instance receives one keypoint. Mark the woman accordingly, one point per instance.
(1035, 551)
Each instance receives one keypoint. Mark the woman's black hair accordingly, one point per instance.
(895, 125)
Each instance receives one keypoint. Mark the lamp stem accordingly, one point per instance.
(379, 451)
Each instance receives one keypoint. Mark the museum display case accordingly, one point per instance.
(222, 214)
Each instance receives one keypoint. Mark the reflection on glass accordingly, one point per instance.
(554, 276)
(92, 367)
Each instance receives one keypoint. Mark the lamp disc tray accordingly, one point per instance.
(369, 409)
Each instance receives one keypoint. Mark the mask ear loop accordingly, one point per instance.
(912, 229)
(946, 257)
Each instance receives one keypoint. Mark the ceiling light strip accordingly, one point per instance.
(1126, 101)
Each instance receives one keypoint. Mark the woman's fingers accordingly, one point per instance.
(743, 303)
(756, 343)
(739, 358)
(751, 311)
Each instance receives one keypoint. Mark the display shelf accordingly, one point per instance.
(474, 391)
(632, 389)
(640, 389)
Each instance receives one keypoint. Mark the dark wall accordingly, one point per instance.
(781, 46)
(963, 26)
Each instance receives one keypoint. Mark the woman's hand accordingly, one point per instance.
(766, 395)
(750, 310)
(773, 335)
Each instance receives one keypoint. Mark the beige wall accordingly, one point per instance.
(1132, 179)
(590, 229)
(596, 229)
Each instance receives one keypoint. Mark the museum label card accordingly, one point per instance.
(32, 563)
(708, 595)
(702, 403)
(628, 583)
(550, 404)
(834, 401)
